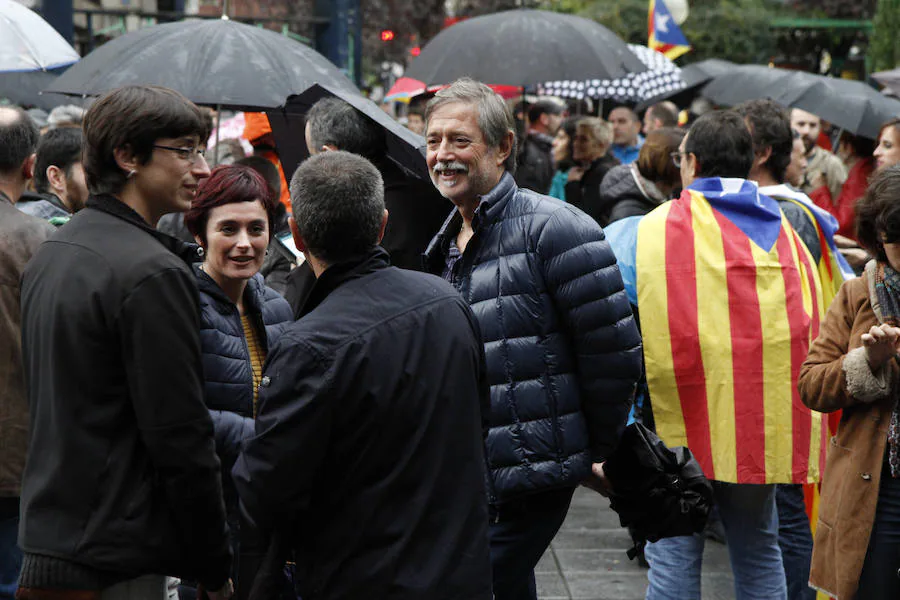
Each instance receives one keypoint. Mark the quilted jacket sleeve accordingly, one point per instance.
(583, 279)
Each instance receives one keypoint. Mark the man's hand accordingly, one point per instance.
(597, 480)
(575, 174)
(881, 344)
(223, 593)
(855, 257)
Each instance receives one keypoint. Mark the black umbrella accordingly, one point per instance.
(404, 147)
(524, 47)
(850, 105)
(24, 88)
(214, 62)
(744, 82)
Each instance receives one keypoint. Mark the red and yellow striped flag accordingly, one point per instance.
(726, 326)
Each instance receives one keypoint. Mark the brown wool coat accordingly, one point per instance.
(20, 236)
(836, 376)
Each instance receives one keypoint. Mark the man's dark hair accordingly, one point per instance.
(338, 204)
(543, 107)
(664, 114)
(134, 117)
(59, 148)
(722, 144)
(18, 138)
(333, 122)
(267, 169)
(770, 127)
(863, 147)
(878, 212)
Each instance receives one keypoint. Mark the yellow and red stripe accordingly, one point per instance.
(727, 325)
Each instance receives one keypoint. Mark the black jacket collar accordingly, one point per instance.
(338, 274)
(109, 204)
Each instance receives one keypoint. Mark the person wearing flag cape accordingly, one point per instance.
(729, 299)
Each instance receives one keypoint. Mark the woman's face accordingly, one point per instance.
(888, 151)
(560, 146)
(584, 147)
(237, 235)
(892, 251)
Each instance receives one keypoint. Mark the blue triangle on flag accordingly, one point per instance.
(665, 29)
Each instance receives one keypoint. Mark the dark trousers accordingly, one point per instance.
(879, 579)
(521, 534)
(795, 540)
(10, 555)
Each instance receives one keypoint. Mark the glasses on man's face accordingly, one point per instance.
(677, 157)
(191, 154)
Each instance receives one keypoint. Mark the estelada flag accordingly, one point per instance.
(729, 301)
(663, 33)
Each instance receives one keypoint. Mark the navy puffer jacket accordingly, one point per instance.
(563, 351)
(227, 373)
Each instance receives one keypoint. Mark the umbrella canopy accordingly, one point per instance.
(212, 62)
(522, 48)
(662, 76)
(28, 42)
(404, 148)
(693, 77)
(889, 79)
(850, 105)
(744, 82)
(24, 88)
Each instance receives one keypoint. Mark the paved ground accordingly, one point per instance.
(587, 559)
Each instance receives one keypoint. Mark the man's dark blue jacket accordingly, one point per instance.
(369, 453)
(563, 350)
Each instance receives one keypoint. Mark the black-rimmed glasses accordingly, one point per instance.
(191, 154)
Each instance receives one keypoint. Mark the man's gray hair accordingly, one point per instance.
(333, 122)
(66, 115)
(598, 129)
(338, 204)
(494, 117)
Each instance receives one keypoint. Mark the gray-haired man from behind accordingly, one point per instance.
(369, 447)
(563, 351)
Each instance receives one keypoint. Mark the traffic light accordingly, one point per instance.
(387, 35)
(415, 51)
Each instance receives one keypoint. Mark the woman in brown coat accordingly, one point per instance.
(853, 366)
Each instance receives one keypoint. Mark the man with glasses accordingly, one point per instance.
(122, 484)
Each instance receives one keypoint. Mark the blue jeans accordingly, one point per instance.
(10, 555)
(751, 529)
(521, 534)
(879, 579)
(795, 540)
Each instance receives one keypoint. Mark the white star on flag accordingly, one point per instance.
(662, 23)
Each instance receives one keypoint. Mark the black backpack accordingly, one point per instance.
(658, 492)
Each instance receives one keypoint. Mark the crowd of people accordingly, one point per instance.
(346, 382)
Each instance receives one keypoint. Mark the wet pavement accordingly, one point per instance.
(587, 559)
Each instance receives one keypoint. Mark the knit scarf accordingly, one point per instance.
(887, 288)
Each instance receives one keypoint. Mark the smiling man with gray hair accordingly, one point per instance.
(563, 351)
(369, 448)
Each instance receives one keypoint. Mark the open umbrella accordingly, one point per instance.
(850, 105)
(404, 148)
(24, 88)
(662, 75)
(28, 42)
(215, 62)
(744, 82)
(693, 76)
(524, 47)
(889, 79)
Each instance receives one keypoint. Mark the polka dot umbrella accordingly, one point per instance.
(662, 76)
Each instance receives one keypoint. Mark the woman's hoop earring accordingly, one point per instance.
(131, 172)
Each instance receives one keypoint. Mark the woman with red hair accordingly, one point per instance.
(240, 318)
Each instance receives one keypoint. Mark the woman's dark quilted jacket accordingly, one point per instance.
(227, 374)
(563, 351)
